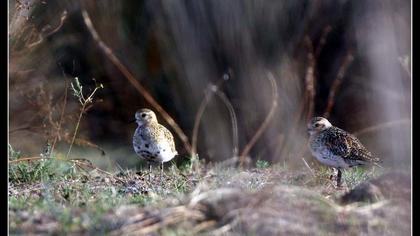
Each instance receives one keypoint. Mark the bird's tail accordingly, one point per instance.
(376, 161)
(376, 164)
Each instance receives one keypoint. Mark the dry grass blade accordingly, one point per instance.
(265, 124)
(337, 82)
(307, 165)
(129, 76)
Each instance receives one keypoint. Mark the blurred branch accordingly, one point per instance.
(323, 40)
(337, 82)
(83, 143)
(43, 35)
(280, 149)
(129, 76)
(211, 88)
(381, 126)
(29, 128)
(264, 125)
(405, 64)
(310, 78)
(202, 107)
(233, 120)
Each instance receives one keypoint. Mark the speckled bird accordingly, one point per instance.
(152, 141)
(336, 148)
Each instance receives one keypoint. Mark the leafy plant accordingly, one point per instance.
(261, 164)
(84, 102)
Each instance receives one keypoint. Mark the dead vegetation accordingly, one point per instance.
(221, 200)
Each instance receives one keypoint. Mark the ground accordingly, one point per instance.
(55, 196)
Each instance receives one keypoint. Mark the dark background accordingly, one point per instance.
(175, 49)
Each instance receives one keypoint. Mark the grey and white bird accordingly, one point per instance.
(337, 148)
(152, 141)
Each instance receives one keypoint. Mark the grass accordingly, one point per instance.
(59, 197)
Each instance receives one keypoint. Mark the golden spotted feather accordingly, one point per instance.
(347, 146)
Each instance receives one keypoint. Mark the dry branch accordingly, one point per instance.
(43, 35)
(310, 78)
(201, 108)
(233, 119)
(337, 82)
(265, 124)
(323, 40)
(381, 126)
(130, 77)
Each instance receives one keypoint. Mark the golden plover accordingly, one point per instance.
(336, 148)
(151, 140)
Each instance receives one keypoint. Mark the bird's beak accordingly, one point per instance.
(132, 121)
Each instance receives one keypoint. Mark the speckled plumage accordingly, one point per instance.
(151, 140)
(335, 147)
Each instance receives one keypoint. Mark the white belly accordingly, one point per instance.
(329, 159)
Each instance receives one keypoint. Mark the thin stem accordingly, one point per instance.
(76, 129)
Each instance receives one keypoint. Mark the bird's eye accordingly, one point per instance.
(143, 115)
(317, 125)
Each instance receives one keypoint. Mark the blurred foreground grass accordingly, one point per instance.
(53, 196)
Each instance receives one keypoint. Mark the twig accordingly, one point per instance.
(84, 102)
(265, 124)
(129, 76)
(337, 82)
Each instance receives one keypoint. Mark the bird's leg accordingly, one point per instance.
(161, 171)
(338, 178)
(150, 170)
(333, 174)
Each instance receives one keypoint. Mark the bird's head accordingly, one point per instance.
(318, 124)
(145, 116)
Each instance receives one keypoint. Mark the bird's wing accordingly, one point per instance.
(148, 133)
(168, 136)
(337, 142)
(359, 152)
(349, 147)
